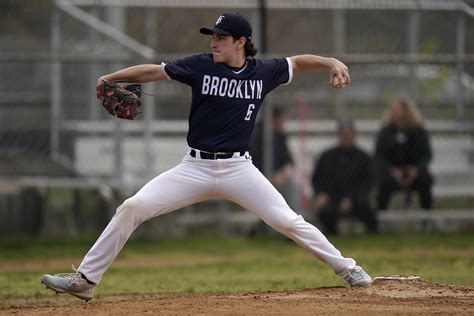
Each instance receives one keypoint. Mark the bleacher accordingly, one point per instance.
(86, 154)
(452, 144)
(452, 167)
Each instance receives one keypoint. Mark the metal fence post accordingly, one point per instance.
(460, 48)
(115, 16)
(267, 105)
(262, 25)
(94, 74)
(149, 99)
(339, 46)
(56, 79)
(413, 49)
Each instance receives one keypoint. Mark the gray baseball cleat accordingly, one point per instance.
(357, 277)
(70, 283)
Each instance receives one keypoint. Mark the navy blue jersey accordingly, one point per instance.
(225, 100)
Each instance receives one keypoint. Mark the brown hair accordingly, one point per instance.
(249, 47)
(412, 114)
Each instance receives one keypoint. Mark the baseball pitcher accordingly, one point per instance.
(228, 88)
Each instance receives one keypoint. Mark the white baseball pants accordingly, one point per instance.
(194, 180)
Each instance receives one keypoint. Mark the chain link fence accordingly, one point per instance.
(55, 135)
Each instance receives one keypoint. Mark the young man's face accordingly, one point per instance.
(224, 48)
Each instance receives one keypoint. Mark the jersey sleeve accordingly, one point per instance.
(183, 70)
(279, 71)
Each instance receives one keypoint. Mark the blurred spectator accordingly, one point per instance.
(342, 182)
(402, 154)
(283, 170)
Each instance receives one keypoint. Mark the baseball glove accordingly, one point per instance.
(122, 102)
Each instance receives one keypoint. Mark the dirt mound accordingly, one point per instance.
(385, 296)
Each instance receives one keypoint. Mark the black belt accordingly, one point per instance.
(214, 156)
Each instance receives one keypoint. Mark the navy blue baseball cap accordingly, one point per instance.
(230, 24)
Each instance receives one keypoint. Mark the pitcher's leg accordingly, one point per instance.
(261, 198)
(169, 191)
(278, 215)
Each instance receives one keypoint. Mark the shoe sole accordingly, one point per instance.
(57, 290)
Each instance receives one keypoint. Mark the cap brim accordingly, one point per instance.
(213, 30)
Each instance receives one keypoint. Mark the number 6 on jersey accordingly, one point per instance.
(249, 112)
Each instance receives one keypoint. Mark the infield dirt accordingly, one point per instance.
(384, 297)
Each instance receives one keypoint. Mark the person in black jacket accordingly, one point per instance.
(402, 154)
(342, 182)
(283, 171)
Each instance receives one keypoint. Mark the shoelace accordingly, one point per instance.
(71, 276)
(354, 273)
(357, 275)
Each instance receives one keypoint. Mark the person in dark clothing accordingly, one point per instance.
(342, 182)
(282, 161)
(402, 154)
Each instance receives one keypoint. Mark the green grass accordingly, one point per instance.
(224, 265)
